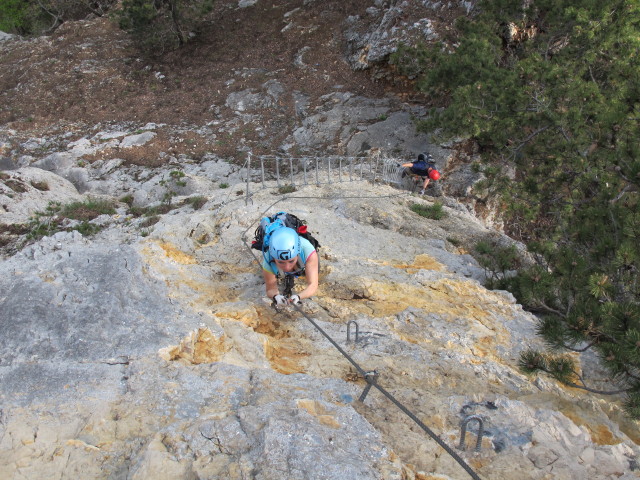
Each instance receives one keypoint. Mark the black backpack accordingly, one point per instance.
(281, 219)
(426, 158)
(422, 165)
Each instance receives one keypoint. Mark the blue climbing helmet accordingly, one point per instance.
(284, 244)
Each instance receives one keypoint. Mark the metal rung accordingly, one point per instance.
(349, 330)
(463, 432)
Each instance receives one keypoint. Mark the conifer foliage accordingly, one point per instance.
(158, 26)
(550, 89)
(37, 17)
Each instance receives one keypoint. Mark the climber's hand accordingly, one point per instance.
(295, 300)
(279, 301)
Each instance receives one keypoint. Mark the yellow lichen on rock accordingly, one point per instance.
(175, 254)
(177, 268)
(479, 312)
(600, 434)
(80, 444)
(285, 355)
(324, 416)
(200, 346)
(245, 314)
(451, 299)
(421, 262)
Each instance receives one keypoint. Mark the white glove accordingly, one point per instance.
(279, 300)
(422, 192)
(294, 300)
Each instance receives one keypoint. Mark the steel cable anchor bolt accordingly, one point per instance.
(371, 378)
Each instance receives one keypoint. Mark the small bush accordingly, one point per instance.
(137, 211)
(287, 189)
(177, 176)
(86, 228)
(196, 202)
(164, 207)
(147, 222)
(87, 210)
(51, 220)
(45, 223)
(224, 185)
(16, 185)
(14, 229)
(454, 241)
(160, 209)
(42, 186)
(128, 199)
(434, 212)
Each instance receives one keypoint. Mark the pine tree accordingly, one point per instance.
(158, 26)
(560, 102)
(37, 17)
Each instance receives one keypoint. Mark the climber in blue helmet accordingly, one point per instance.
(290, 255)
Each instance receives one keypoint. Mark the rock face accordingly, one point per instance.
(130, 356)
(149, 351)
(28, 190)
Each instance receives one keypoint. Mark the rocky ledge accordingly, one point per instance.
(138, 353)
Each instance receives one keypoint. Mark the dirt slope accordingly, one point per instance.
(88, 71)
